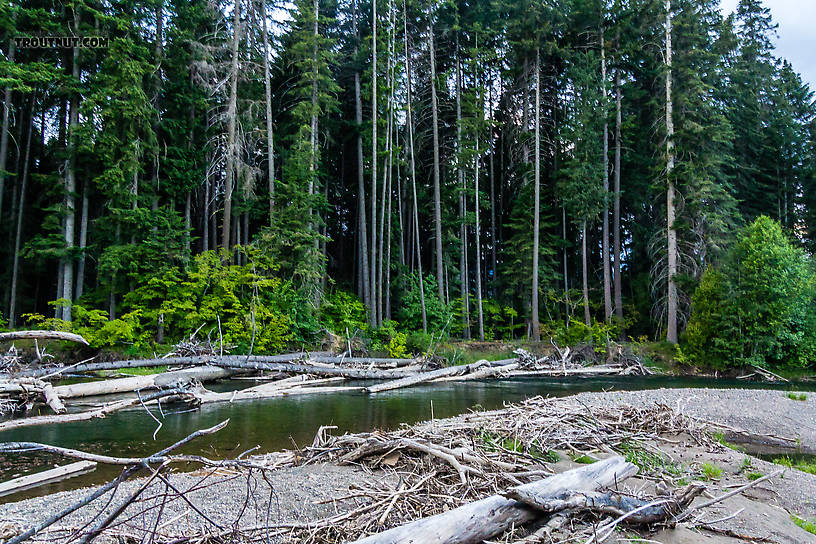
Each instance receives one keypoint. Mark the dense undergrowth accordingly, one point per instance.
(756, 309)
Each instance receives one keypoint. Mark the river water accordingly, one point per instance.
(286, 422)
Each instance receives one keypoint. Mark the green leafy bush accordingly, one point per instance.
(342, 310)
(246, 305)
(439, 315)
(757, 309)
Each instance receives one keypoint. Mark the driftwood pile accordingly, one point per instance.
(488, 476)
(195, 362)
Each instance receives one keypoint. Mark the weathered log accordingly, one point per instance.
(52, 399)
(480, 374)
(154, 381)
(254, 362)
(602, 370)
(46, 477)
(484, 519)
(270, 390)
(425, 377)
(42, 335)
(643, 511)
(91, 414)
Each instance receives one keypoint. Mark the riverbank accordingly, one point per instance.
(302, 494)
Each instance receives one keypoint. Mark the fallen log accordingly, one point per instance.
(52, 399)
(642, 512)
(154, 381)
(46, 477)
(42, 335)
(487, 518)
(480, 374)
(408, 381)
(602, 370)
(93, 413)
(270, 390)
(253, 362)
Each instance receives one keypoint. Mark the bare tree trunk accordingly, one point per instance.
(313, 177)
(374, 158)
(410, 123)
(607, 272)
(584, 273)
(536, 332)
(205, 223)
(437, 189)
(566, 277)
(388, 247)
(270, 139)
(231, 122)
(478, 226)
(83, 241)
(493, 241)
(463, 259)
(671, 328)
(7, 105)
(358, 107)
(616, 206)
(70, 187)
(187, 222)
(18, 235)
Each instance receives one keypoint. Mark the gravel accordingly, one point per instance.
(311, 492)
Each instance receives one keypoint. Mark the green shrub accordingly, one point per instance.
(711, 471)
(439, 315)
(418, 342)
(757, 309)
(341, 311)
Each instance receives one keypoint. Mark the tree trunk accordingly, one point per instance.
(83, 241)
(187, 222)
(616, 228)
(231, 122)
(463, 258)
(20, 212)
(437, 190)
(270, 140)
(536, 332)
(671, 328)
(410, 124)
(373, 270)
(607, 272)
(478, 226)
(70, 188)
(584, 273)
(7, 105)
(358, 108)
(493, 241)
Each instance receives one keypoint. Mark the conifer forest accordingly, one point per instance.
(399, 170)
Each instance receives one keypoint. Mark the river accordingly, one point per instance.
(287, 422)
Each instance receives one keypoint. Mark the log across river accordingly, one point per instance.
(275, 423)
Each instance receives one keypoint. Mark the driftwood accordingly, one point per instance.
(52, 399)
(436, 374)
(96, 412)
(46, 477)
(154, 381)
(42, 335)
(489, 372)
(641, 512)
(487, 518)
(284, 361)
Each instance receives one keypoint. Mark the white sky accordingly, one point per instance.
(797, 35)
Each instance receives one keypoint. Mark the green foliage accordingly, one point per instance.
(439, 314)
(807, 525)
(757, 309)
(648, 461)
(797, 396)
(711, 471)
(799, 463)
(598, 334)
(342, 311)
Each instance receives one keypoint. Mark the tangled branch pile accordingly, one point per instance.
(430, 468)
